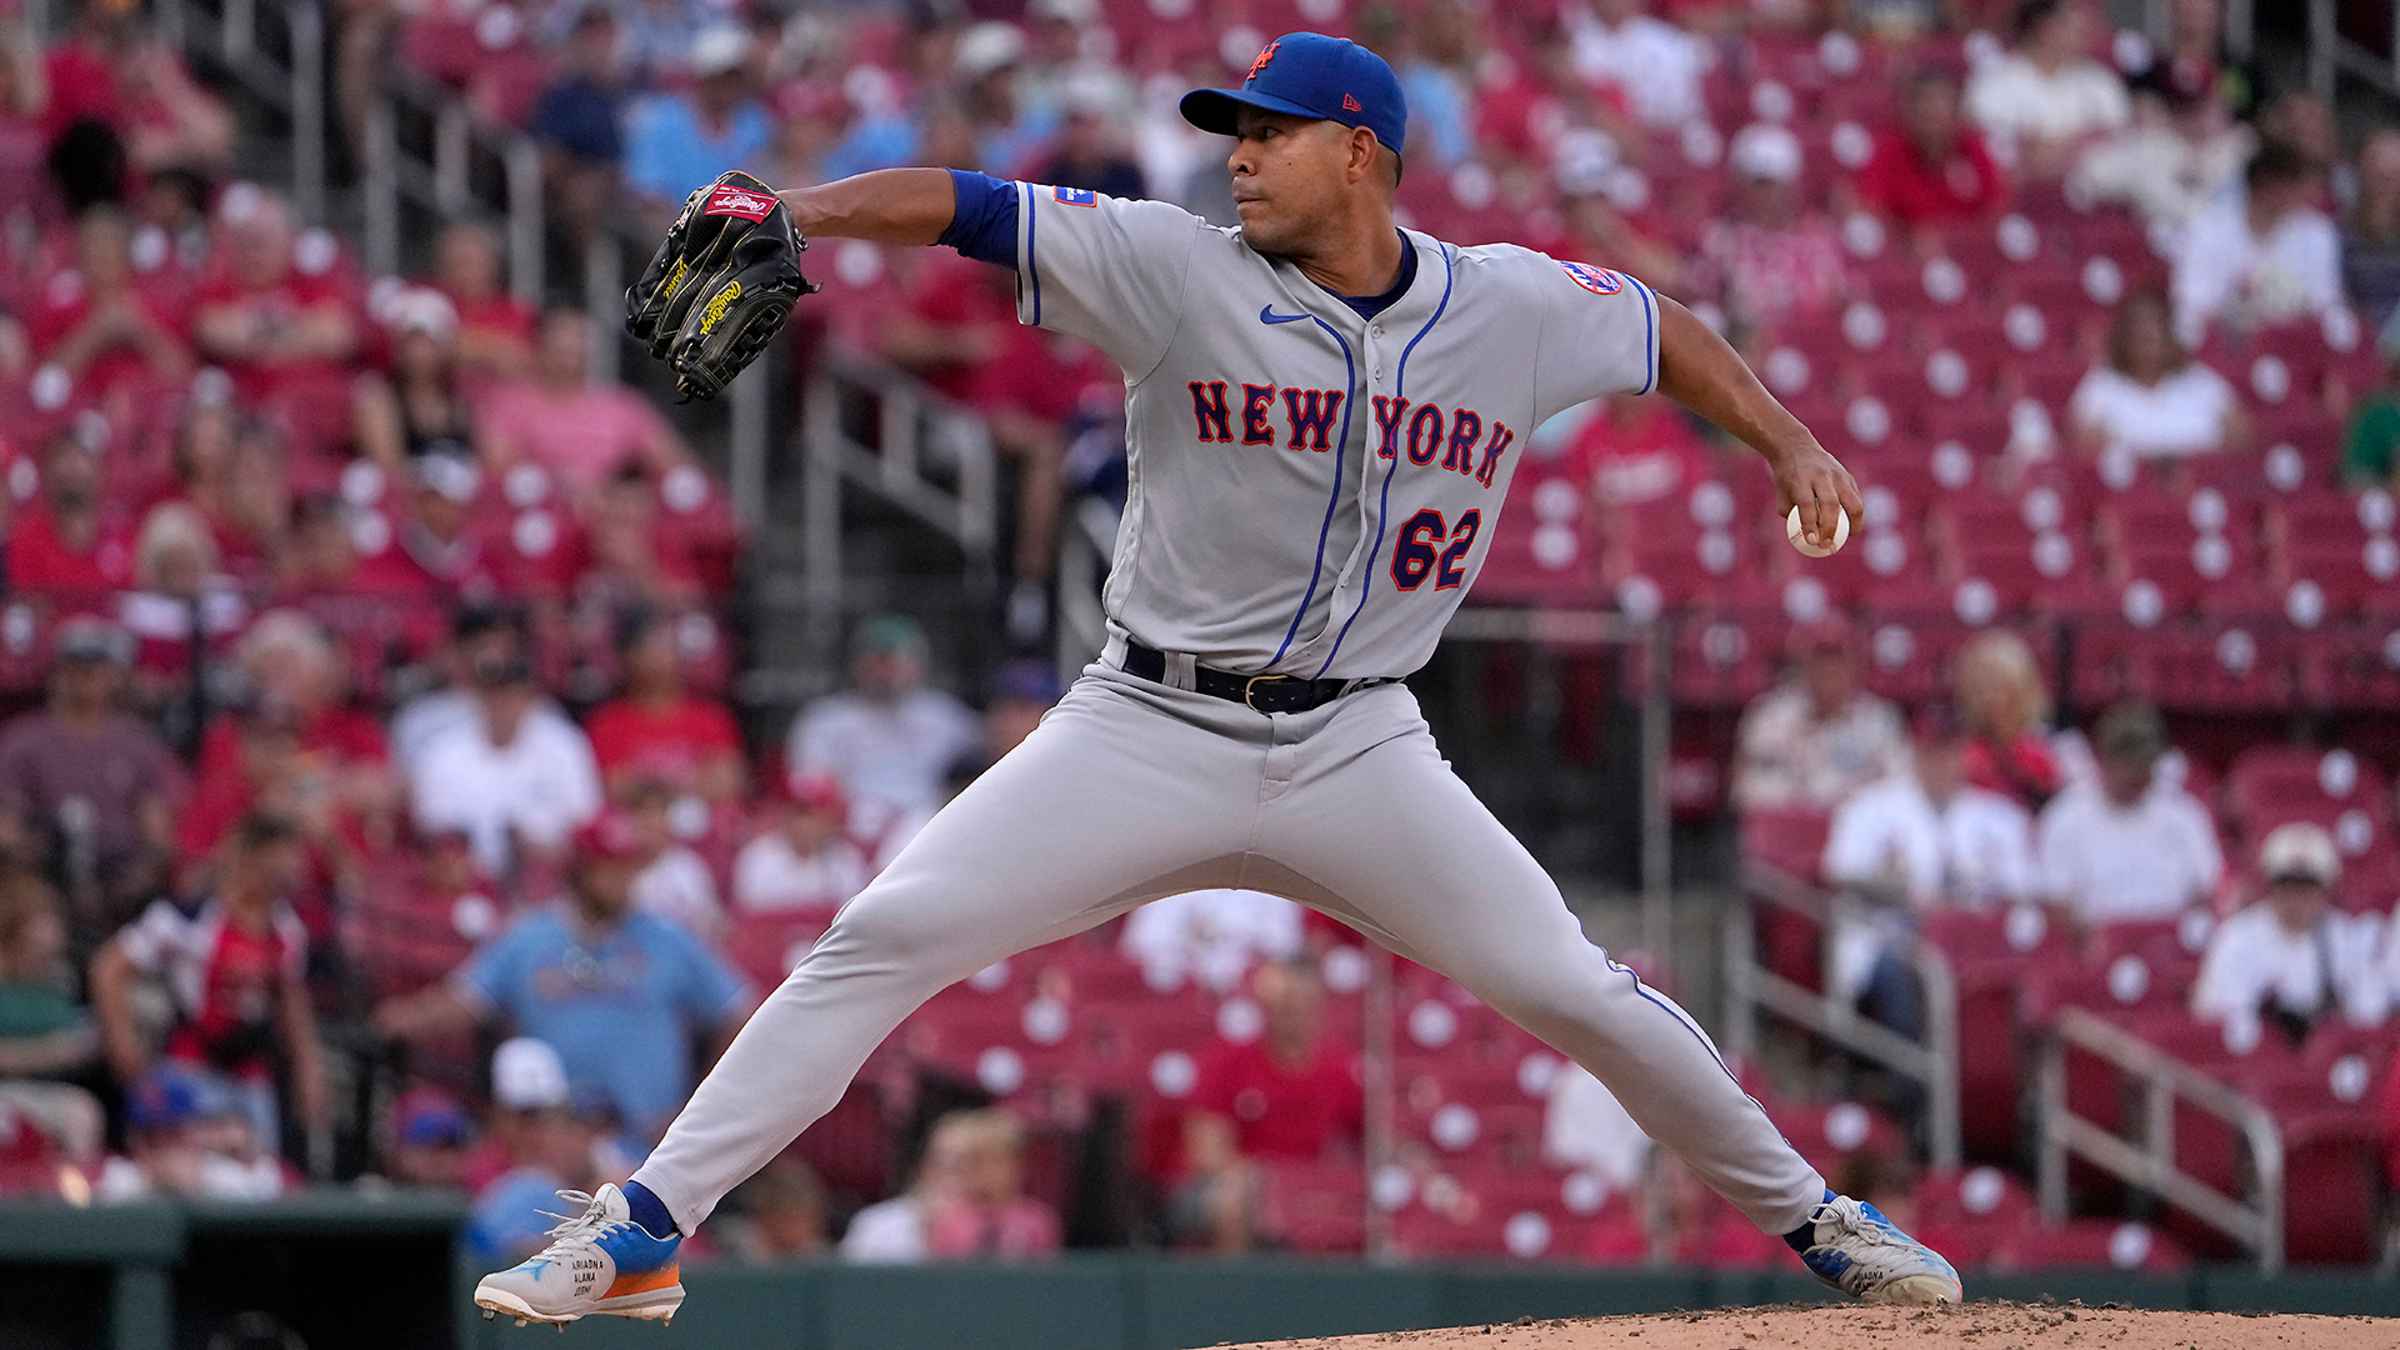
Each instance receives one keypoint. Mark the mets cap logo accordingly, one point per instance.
(1597, 280)
(1265, 54)
(728, 200)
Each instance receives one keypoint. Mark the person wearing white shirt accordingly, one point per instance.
(1815, 739)
(1908, 843)
(478, 633)
(2046, 97)
(509, 777)
(1657, 66)
(891, 740)
(1927, 838)
(2179, 155)
(2290, 960)
(2127, 846)
(2152, 400)
(677, 886)
(676, 883)
(1212, 938)
(2263, 256)
(802, 861)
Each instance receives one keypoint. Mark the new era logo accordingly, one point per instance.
(1350, 104)
(728, 200)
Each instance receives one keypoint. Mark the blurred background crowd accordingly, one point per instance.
(381, 800)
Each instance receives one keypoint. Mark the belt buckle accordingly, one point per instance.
(1250, 689)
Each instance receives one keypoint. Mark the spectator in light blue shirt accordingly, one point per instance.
(677, 142)
(621, 995)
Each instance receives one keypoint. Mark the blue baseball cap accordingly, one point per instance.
(1310, 75)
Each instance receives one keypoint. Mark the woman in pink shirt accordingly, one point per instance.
(577, 431)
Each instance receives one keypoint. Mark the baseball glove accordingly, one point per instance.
(721, 284)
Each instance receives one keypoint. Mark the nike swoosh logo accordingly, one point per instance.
(1267, 314)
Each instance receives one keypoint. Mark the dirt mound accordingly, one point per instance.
(1987, 1326)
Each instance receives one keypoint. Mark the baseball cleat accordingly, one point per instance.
(1865, 1255)
(599, 1263)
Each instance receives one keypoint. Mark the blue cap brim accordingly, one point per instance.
(1213, 110)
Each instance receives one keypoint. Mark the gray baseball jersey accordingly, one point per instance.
(1312, 492)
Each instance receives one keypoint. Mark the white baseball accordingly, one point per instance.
(1841, 534)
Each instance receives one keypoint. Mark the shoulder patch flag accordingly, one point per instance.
(1597, 280)
(1067, 196)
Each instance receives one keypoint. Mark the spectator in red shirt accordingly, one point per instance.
(421, 407)
(233, 968)
(249, 753)
(289, 663)
(1778, 260)
(954, 319)
(95, 323)
(630, 562)
(2389, 1111)
(577, 431)
(435, 550)
(658, 724)
(1931, 170)
(276, 326)
(1292, 1094)
(112, 69)
(253, 510)
(495, 328)
(229, 471)
(2004, 704)
(1634, 451)
(68, 545)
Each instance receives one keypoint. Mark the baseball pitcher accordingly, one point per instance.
(1323, 415)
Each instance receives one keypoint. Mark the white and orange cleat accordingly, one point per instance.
(599, 1263)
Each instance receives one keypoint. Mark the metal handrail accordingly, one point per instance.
(916, 432)
(2150, 1164)
(1752, 988)
(2331, 55)
(296, 88)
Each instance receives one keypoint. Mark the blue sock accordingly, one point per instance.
(1799, 1239)
(648, 1210)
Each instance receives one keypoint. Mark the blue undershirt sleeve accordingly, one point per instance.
(984, 224)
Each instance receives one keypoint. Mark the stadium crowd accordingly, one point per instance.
(376, 806)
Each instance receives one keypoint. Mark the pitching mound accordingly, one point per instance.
(1988, 1326)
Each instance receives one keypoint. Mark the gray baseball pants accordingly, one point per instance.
(1131, 790)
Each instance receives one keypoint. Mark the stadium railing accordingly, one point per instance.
(2164, 1083)
(1755, 989)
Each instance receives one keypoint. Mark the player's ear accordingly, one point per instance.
(1362, 153)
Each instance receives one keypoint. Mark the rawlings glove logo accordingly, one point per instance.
(717, 304)
(728, 200)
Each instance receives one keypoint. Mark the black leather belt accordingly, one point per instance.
(1259, 693)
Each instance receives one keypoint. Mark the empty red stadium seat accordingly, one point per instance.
(2110, 1243)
